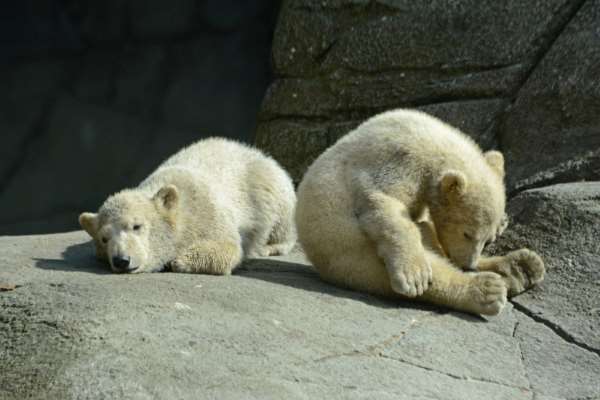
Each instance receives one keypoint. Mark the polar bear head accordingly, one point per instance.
(468, 210)
(135, 232)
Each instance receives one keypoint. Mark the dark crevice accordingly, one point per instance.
(435, 70)
(320, 58)
(566, 336)
(573, 170)
(449, 72)
(450, 98)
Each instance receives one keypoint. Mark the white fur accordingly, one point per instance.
(230, 201)
(386, 209)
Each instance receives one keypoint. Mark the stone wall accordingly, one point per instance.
(94, 94)
(520, 76)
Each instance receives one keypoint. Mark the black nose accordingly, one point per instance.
(121, 262)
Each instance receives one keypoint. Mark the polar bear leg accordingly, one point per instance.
(473, 292)
(255, 243)
(209, 257)
(387, 222)
(283, 235)
(520, 269)
(278, 239)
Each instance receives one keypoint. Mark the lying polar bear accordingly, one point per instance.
(203, 210)
(398, 204)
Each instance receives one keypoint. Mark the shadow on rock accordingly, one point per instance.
(304, 277)
(75, 258)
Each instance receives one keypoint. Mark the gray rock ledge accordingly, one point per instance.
(273, 330)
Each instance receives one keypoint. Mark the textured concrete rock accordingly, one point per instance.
(343, 61)
(540, 346)
(72, 330)
(372, 36)
(295, 144)
(561, 223)
(556, 118)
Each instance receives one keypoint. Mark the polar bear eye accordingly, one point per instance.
(137, 227)
(468, 237)
(104, 240)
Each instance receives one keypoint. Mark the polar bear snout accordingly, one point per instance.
(121, 263)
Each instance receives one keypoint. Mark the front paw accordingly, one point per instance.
(523, 269)
(487, 294)
(411, 280)
(177, 265)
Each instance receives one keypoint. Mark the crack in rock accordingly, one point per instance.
(557, 329)
(454, 376)
(377, 349)
(571, 170)
(518, 342)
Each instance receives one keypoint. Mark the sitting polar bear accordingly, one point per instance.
(397, 203)
(203, 210)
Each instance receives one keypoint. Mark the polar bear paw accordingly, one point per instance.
(411, 280)
(521, 269)
(178, 265)
(487, 294)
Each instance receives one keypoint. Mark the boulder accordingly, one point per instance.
(554, 124)
(340, 62)
(560, 222)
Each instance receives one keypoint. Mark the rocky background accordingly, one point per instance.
(95, 94)
(520, 76)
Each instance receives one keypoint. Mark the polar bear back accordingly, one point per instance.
(427, 141)
(238, 177)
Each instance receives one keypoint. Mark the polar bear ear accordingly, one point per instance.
(89, 222)
(453, 184)
(167, 197)
(495, 159)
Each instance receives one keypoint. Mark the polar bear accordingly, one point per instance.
(203, 210)
(401, 204)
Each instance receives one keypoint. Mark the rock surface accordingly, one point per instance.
(515, 76)
(557, 111)
(72, 330)
(562, 224)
